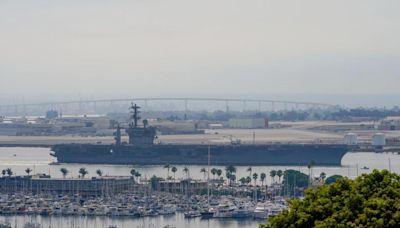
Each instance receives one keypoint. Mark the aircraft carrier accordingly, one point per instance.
(141, 150)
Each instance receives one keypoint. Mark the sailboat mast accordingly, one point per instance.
(208, 177)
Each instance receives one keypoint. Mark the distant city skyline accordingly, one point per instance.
(319, 50)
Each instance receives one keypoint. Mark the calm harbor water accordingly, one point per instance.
(177, 220)
(38, 159)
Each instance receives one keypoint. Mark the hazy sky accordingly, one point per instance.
(207, 46)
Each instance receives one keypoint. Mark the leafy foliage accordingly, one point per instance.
(332, 179)
(371, 200)
(295, 178)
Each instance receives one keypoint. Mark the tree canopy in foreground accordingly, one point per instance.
(371, 200)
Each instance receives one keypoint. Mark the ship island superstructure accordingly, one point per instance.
(141, 150)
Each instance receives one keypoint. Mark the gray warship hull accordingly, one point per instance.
(266, 154)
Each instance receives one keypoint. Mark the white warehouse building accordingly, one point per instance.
(378, 139)
(350, 139)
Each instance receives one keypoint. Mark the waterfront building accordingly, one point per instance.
(95, 186)
(187, 186)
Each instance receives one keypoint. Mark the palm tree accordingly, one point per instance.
(83, 172)
(64, 172)
(4, 172)
(186, 171)
(133, 171)
(203, 170)
(242, 180)
(255, 176)
(248, 180)
(219, 173)
(228, 175)
(250, 170)
(174, 169)
(272, 173)
(230, 169)
(279, 173)
(167, 166)
(137, 175)
(213, 172)
(322, 176)
(99, 172)
(28, 170)
(232, 178)
(262, 178)
(9, 172)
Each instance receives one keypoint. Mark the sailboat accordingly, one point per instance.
(208, 213)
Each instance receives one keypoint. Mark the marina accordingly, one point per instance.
(154, 209)
(138, 205)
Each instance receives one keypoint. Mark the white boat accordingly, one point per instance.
(167, 210)
(225, 210)
(276, 209)
(261, 211)
(192, 214)
(244, 210)
(267, 209)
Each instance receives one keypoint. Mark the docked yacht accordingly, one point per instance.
(267, 209)
(225, 210)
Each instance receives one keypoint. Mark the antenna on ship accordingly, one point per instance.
(117, 135)
(134, 115)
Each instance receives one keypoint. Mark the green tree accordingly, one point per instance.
(279, 173)
(322, 176)
(272, 173)
(371, 200)
(99, 172)
(248, 180)
(9, 172)
(64, 172)
(213, 172)
(242, 180)
(167, 166)
(204, 171)
(219, 172)
(83, 172)
(332, 179)
(230, 169)
(293, 179)
(230, 173)
(250, 170)
(186, 171)
(255, 176)
(174, 169)
(28, 171)
(137, 175)
(262, 178)
(133, 174)
(3, 172)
